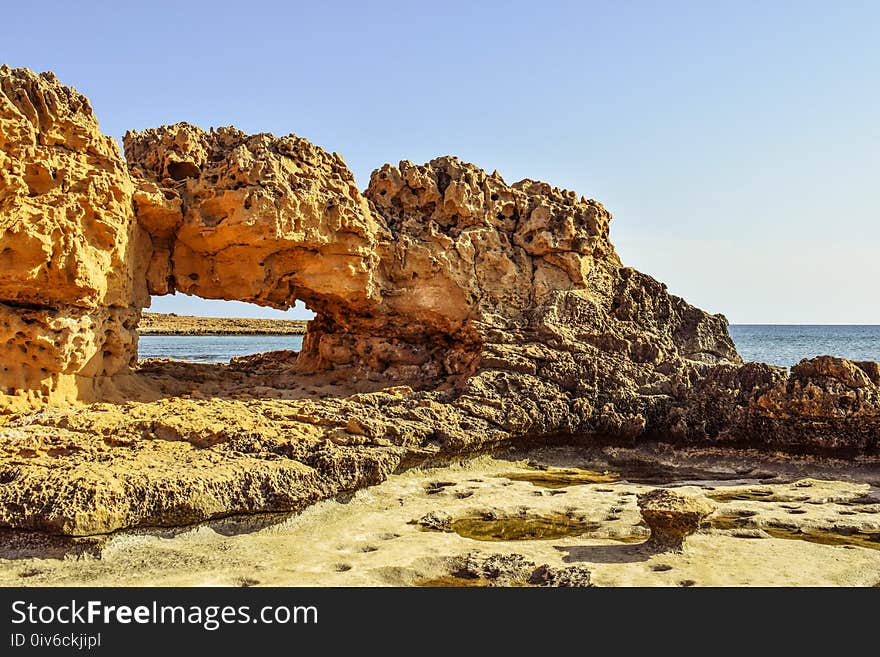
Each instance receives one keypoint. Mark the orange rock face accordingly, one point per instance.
(253, 218)
(70, 284)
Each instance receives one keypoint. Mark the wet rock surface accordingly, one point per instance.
(367, 538)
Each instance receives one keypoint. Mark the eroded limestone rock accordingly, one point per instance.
(672, 516)
(515, 570)
(455, 313)
(824, 403)
(71, 287)
(414, 277)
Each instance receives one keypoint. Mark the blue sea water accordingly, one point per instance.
(213, 348)
(788, 344)
(777, 344)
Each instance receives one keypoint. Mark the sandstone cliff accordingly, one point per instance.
(455, 312)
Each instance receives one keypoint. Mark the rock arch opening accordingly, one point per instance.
(185, 328)
(256, 219)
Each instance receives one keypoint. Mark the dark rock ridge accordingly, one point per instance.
(824, 404)
(455, 312)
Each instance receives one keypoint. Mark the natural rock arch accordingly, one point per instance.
(413, 279)
(482, 313)
(407, 277)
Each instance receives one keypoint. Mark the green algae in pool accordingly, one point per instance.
(728, 521)
(515, 528)
(535, 528)
(522, 528)
(756, 495)
(832, 537)
(562, 478)
(635, 473)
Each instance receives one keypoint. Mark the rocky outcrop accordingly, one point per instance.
(455, 312)
(411, 279)
(671, 517)
(71, 288)
(823, 404)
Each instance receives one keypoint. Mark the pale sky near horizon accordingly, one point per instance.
(737, 144)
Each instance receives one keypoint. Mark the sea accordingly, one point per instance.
(787, 344)
(213, 348)
(777, 344)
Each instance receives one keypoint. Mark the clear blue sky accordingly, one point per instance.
(736, 143)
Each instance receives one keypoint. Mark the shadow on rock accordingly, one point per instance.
(607, 553)
(37, 545)
(247, 524)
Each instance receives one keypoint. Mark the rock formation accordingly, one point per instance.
(823, 404)
(253, 218)
(671, 517)
(455, 312)
(70, 285)
(476, 569)
(412, 279)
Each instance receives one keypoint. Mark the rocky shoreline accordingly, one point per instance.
(556, 516)
(173, 324)
(456, 314)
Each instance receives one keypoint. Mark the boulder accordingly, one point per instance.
(671, 517)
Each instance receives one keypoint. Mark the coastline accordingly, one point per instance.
(778, 521)
(457, 316)
(172, 324)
